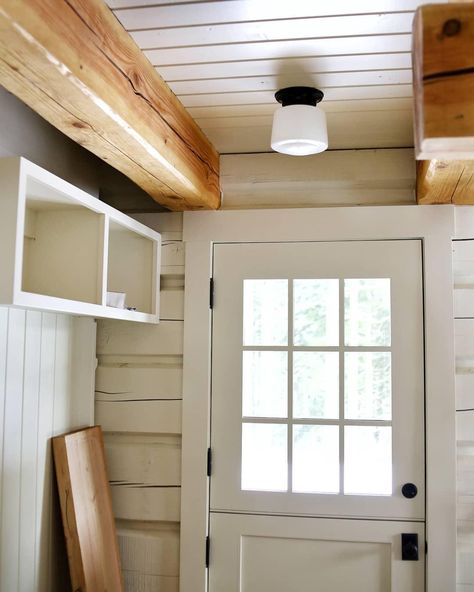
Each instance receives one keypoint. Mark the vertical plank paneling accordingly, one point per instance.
(3, 369)
(43, 454)
(28, 449)
(10, 539)
(63, 372)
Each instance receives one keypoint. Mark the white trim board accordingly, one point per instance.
(435, 226)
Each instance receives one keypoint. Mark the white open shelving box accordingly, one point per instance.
(62, 250)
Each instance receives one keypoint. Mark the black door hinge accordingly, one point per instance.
(208, 550)
(211, 293)
(209, 462)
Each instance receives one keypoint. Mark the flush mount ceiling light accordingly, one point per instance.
(299, 126)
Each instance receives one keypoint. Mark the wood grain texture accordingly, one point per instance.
(348, 177)
(100, 90)
(445, 182)
(118, 337)
(443, 60)
(152, 417)
(156, 504)
(87, 511)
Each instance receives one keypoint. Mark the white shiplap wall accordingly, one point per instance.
(463, 263)
(47, 364)
(138, 404)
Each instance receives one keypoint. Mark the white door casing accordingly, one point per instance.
(397, 266)
(434, 226)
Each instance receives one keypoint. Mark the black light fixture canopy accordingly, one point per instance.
(299, 95)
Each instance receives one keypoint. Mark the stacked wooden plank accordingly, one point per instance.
(463, 264)
(138, 404)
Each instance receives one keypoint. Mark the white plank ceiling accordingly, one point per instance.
(226, 59)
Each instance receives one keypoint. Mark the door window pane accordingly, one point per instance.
(316, 312)
(265, 312)
(368, 385)
(316, 385)
(368, 460)
(264, 457)
(265, 384)
(367, 312)
(315, 459)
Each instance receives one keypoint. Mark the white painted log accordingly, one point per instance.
(465, 426)
(464, 302)
(146, 503)
(155, 417)
(114, 383)
(172, 305)
(334, 177)
(465, 510)
(172, 253)
(465, 482)
(143, 459)
(464, 340)
(122, 338)
(465, 388)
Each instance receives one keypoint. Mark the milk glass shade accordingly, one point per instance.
(299, 130)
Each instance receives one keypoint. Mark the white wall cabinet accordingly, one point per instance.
(63, 250)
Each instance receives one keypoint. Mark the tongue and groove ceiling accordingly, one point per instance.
(225, 60)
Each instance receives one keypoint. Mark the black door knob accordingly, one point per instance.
(409, 490)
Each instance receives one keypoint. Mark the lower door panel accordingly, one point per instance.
(252, 553)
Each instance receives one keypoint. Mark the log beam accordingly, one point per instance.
(443, 62)
(445, 182)
(73, 63)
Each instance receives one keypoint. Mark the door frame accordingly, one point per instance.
(435, 226)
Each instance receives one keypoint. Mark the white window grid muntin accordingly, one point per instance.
(341, 421)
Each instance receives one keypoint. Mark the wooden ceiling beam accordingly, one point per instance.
(445, 182)
(443, 77)
(443, 62)
(73, 63)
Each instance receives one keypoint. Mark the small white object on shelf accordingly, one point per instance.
(116, 299)
(63, 250)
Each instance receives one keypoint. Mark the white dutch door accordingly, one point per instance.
(317, 428)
